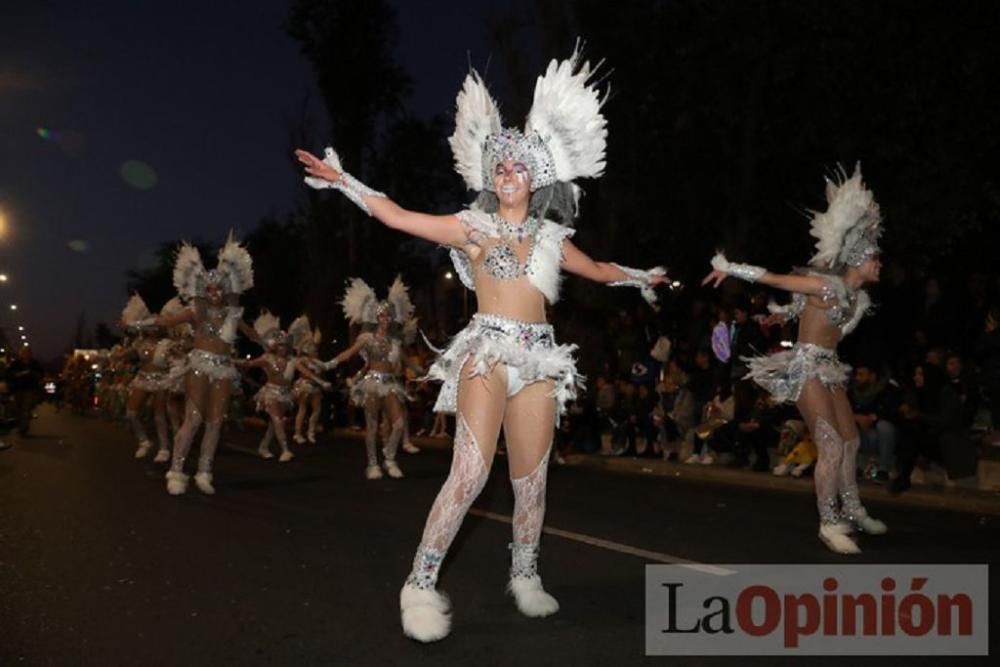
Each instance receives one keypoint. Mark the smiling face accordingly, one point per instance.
(512, 183)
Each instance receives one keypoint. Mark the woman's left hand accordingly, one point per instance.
(715, 278)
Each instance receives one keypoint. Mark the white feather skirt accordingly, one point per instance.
(782, 374)
(149, 381)
(176, 375)
(305, 388)
(528, 347)
(377, 385)
(215, 366)
(273, 393)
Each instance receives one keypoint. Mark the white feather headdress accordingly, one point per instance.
(566, 114)
(135, 311)
(189, 272)
(564, 138)
(359, 302)
(301, 333)
(268, 329)
(236, 266)
(848, 231)
(476, 118)
(399, 299)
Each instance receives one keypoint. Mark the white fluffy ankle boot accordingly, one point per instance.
(836, 536)
(177, 483)
(531, 598)
(425, 613)
(203, 481)
(867, 524)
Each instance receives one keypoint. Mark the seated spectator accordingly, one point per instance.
(875, 401)
(933, 428)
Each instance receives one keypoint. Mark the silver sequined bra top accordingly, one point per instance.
(219, 322)
(845, 306)
(381, 350)
(501, 261)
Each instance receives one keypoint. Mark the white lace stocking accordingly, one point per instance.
(830, 448)
(529, 515)
(466, 480)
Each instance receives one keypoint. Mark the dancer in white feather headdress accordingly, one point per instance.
(380, 390)
(828, 301)
(275, 397)
(215, 315)
(150, 382)
(309, 388)
(505, 367)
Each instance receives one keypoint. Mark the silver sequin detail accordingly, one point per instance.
(829, 511)
(530, 150)
(784, 373)
(356, 191)
(523, 560)
(501, 260)
(426, 565)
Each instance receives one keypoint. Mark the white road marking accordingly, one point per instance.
(645, 554)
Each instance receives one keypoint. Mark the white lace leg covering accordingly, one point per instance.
(831, 450)
(466, 480)
(162, 434)
(313, 422)
(392, 444)
(371, 432)
(209, 443)
(138, 429)
(529, 515)
(847, 484)
(185, 435)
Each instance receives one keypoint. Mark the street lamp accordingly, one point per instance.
(448, 275)
(3, 277)
(20, 328)
(13, 306)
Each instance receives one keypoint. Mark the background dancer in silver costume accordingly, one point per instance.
(829, 303)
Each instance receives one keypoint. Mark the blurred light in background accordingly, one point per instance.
(138, 174)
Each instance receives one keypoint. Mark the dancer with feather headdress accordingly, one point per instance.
(380, 390)
(275, 397)
(308, 389)
(150, 382)
(829, 303)
(505, 368)
(216, 316)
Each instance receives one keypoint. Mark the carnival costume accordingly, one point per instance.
(275, 397)
(308, 389)
(215, 316)
(810, 374)
(564, 139)
(149, 381)
(381, 388)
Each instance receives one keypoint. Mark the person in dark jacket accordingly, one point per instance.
(24, 379)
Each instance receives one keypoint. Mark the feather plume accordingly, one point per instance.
(300, 332)
(848, 204)
(267, 326)
(476, 118)
(237, 265)
(399, 297)
(135, 311)
(359, 302)
(410, 330)
(189, 271)
(566, 113)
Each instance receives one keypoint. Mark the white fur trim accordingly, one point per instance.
(425, 615)
(531, 598)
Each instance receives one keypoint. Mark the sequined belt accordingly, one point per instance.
(527, 335)
(383, 378)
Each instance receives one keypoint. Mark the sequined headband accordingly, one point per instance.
(530, 150)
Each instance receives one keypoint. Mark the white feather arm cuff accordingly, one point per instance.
(746, 272)
(352, 188)
(639, 278)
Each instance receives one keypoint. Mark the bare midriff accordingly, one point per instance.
(274, 369)
(516, 298)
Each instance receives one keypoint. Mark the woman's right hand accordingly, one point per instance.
(316, 167)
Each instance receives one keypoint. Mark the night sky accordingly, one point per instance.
(125, 124)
